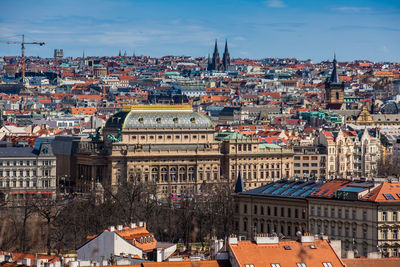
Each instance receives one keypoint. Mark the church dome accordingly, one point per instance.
(390, 108)
(159, 117)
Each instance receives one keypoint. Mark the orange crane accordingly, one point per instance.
(23, 43)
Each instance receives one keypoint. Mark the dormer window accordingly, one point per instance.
(158, 120)
(193, 120)
(175, 120)
(141, 120)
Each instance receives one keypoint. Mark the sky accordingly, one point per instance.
(308, 29)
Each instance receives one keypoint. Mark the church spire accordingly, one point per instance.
(334, 76)
(216, 47)
(216, 61)
(239, 187)
(226, 60)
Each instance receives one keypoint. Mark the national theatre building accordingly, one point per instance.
(169, 145)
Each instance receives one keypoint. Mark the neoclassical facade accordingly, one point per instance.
(27, 172)
(171, 146)
(258, 163)
(177, 149)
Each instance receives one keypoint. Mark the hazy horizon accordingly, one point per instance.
(356, 30)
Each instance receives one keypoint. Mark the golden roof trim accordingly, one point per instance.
(158, 108)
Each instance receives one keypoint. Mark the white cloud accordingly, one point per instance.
(275, 3)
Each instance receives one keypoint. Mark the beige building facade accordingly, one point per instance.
(309, 161)
(27, 172)
(362, 215)
(177, 149)
(350, 154)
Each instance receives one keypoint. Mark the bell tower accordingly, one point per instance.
(334, 89)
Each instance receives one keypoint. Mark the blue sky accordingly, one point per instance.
(361, 29)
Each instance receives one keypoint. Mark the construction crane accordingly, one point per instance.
(23, 43)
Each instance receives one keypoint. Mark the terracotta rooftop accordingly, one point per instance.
(386, 262)
(285, 253)
(386, 192)
(328, 189)
(187, 264)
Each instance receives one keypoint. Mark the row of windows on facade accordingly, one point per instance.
(263, 175)
(284, 212)
(338, 231)
(386, 216)
(260, 166)
(173, 169)
(385, 234)
(245, 147)
(258, 227)
(356, 148)
(356, 159)
(258, 159)
(339, 213)
(24, 162)
(23, 173)
(312, 172)
(24, 184)
(308, 165)
(164, 177)
(169, 137)
(322, 158)
(176, 188)
(339, 234)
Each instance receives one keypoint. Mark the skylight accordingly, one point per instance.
(389, 196)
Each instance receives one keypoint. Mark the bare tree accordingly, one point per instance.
(49, 210)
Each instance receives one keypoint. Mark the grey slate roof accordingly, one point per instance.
(286, 189)
(158, 120)
(15, 152)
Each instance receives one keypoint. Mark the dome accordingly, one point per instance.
(390, 108)
(159, 118)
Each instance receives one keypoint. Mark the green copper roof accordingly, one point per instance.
(158, 120)
(230, 135)
(269, 146)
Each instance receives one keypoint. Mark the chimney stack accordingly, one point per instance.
(263, 239)
(112, 228)
(133, 225)
(232, 240)
(119, 227)
(307, 239)
(140, 224)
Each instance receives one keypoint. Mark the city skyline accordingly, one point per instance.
(254, 29)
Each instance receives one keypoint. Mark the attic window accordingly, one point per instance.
(158, 120)
(249, 265)
(301, 264)
(327, 264)
(313, 247)
(275, 265)
(287, 247)
(141, 120)
(192, 120)
(175, 120)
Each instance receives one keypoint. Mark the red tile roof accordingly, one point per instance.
(386, 192)
(364, 262)
(330, 187)
(285, 253)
